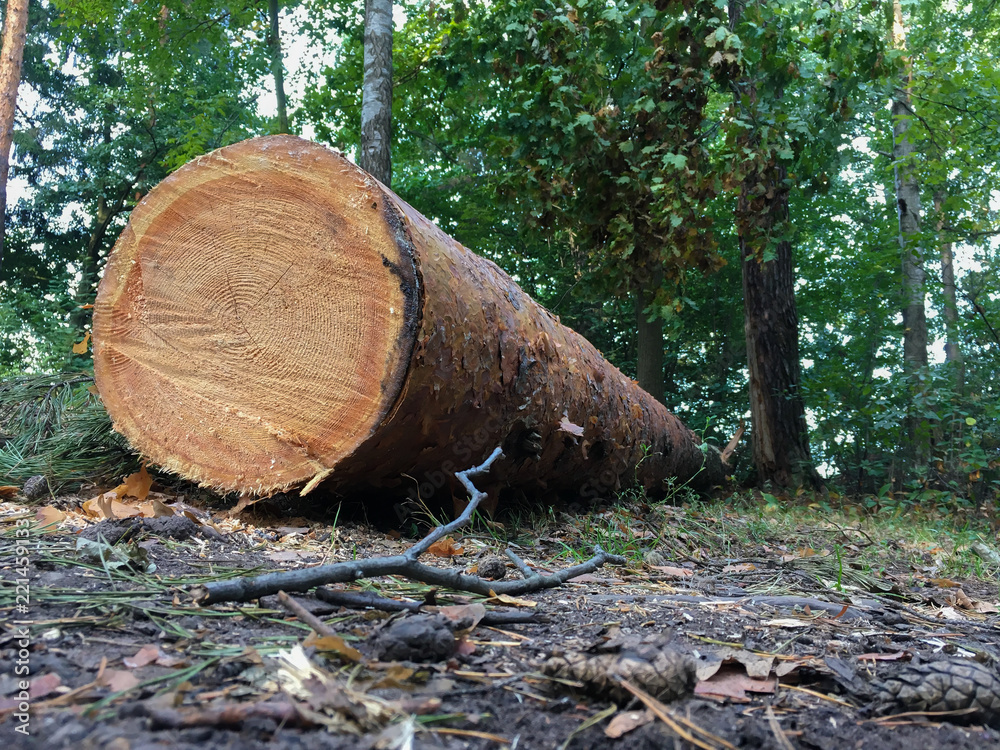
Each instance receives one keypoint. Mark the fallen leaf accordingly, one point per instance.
(48, 517)
(106, 506)
(734, 683)
(9, 492)
(950, 613)
(43, 685)
(985, 608)
(334, 644)
(145, 655)
(944, 583)
(118, 680)
(445, 548)
(739, 568)
(626, 721)
(465, 647)
(787, 622)
(670, 570)
(81, 347)
(886, 657)
(960, 599)
(395, 677)
(136, 485)
(512, 601)
(458, 612)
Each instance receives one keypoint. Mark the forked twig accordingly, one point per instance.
(407, 565)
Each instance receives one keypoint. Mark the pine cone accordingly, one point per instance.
(946, 686)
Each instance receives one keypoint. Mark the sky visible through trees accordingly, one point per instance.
(625, 162)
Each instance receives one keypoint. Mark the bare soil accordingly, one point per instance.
(89, 622)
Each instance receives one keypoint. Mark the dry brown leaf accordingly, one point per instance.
(136, 485)
(739, 568)
(625, 721)
(670, 570)
(145, 655)
(43, 685)
(944, 583)
(395, 677)
(787, 622)
(334, 644)
(959, 598)
(445, 548)
(9, 491)
(886, 657)
(511, 601)
(49, 517)
(985, 608)
(734, 683)
(118, 679)
(82, 346)
(106, 506)
(458, 612)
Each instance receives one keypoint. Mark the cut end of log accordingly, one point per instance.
(260, 310)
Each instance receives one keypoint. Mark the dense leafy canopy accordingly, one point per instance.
(590, 148)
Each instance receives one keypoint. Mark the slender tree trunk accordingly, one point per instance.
(908, 209)
(780, 436)
(649, 346)
(11, 58)
(779, 433)
(952, 351)
(376, 95)
(277, 66)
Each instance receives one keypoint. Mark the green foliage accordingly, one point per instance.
(55, 426)
(589, 148)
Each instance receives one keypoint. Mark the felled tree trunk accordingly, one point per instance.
(273, 316)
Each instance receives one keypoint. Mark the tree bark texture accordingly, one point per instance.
(273, 316)
(376, 94)
(11, 59)
(277, 65)
(649, 347)
(780, 436)
(908, 209)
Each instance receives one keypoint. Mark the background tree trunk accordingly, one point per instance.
(649, 346)
(277, 65)
(337, 334)
(908, 209)
(779, 434)
(11, 58)
(375, 156)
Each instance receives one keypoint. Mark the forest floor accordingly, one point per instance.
(118, 655)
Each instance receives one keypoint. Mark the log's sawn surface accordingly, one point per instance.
(273, 316)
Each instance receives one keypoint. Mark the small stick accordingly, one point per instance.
(304, 614)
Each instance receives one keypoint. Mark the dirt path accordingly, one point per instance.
(120, 658)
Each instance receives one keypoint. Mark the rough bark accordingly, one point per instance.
(277, 65)
(376, 92)
(780, 436)
(779, 433)
(649, 347)
(11, 58)
(273, 316)
(952, 350)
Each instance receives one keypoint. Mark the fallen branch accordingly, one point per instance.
(406, 565)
